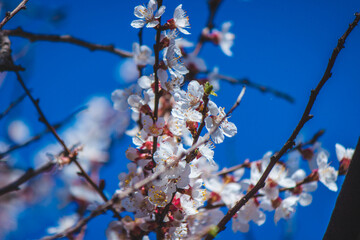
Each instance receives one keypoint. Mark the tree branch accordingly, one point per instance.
(42, 116)
(9, 15)
(203, 113)
(246, 164)
(213, 6)
(38, 136)
(98, 211)
(29, 174)
(12, 105)
(290, 142)
(261, 88)
(313, 140)
(156, 68)
(32, 37)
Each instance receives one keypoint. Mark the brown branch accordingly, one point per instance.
(140, 36)
(12, 105)
(6, 63)
(213, 6)
(156, 68)
(261, 88)
(40, 135)
(29, 174)
(98, 211)
(313, 140)
(32, 37)
(9, 15)
(246, 164)
(234, 168)
(210, 206)
(161, 216)
(203, 113)
(290, 142)
(42, 116)
(312, 177)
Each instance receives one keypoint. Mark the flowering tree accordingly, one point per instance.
(173, 187)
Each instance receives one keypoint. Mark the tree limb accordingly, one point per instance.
(9, 15)
(12, 105)
(32, 37)
(38, 136)
(29, 174)
(257, 86)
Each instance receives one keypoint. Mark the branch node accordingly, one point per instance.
(41, 119)
(102, 184)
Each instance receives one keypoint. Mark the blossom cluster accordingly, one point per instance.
(171, 110)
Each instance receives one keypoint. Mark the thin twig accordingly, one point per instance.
(203, 113)
(9, 15)
(233, 169)
(12, 105)
(262, 88)
(98, 211)
(156, 68)
(213, 6)
(42, 116)
(40, 135)
(313, 140)
(161, 216)
(246, 164)
(140, 35)
(29, 174)
(290, 142)
(32, 37)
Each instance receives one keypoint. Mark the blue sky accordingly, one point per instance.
(284, 44)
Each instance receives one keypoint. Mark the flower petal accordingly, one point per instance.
(138, 23)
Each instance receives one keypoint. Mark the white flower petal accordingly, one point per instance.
(152, 24)
(160, 12)
(145, 82)
(299, 175)
(305, 199)
(138, 23)
(340, 151)
(139, 10)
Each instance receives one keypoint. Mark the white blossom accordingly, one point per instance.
(142, 55)
(327, 174)
(171, 59)
(226, 128)
(181, 20)
(343, 153)
(146, 15)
